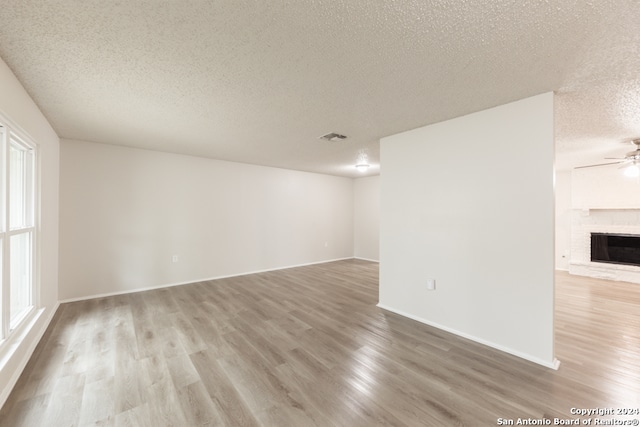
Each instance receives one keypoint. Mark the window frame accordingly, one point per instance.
(9, 132)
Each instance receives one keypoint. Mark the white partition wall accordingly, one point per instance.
(469, 202)
(563, 219)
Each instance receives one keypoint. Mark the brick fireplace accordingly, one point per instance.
(584, 222)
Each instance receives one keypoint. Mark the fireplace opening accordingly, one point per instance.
(615, 248)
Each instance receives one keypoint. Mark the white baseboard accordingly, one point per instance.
(366, 259)
(169, 285)
(553, 365)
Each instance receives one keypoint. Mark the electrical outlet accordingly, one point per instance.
(174, 258)
(431, 284)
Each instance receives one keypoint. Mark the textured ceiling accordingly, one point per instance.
(259, 82)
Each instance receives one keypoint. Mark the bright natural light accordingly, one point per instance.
(17, 228)
(20, 268)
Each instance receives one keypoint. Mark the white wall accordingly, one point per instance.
(470, 203)
(563, 220)
(16, 104)
(125, 212)
(604, 187)
(366, 218)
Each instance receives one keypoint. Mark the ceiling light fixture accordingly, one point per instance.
(362, 163)
(362, 167)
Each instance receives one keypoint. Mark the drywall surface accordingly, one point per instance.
(135, 219)
(469, 202)
(19, 108)
(366, 218)
(563, 220)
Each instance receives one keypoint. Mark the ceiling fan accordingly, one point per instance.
(630, 162)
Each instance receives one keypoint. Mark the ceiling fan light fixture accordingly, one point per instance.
(630, 163)
(632, 171)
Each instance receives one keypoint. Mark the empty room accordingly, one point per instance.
(319, 213)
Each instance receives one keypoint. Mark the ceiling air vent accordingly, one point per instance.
(333, 137)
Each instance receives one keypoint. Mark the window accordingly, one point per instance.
(17, 228)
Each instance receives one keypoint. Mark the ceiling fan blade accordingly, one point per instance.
(600, 164)
(626, 164)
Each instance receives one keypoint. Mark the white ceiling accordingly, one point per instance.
(259, 82)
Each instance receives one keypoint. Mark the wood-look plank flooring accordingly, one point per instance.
(308, 347)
